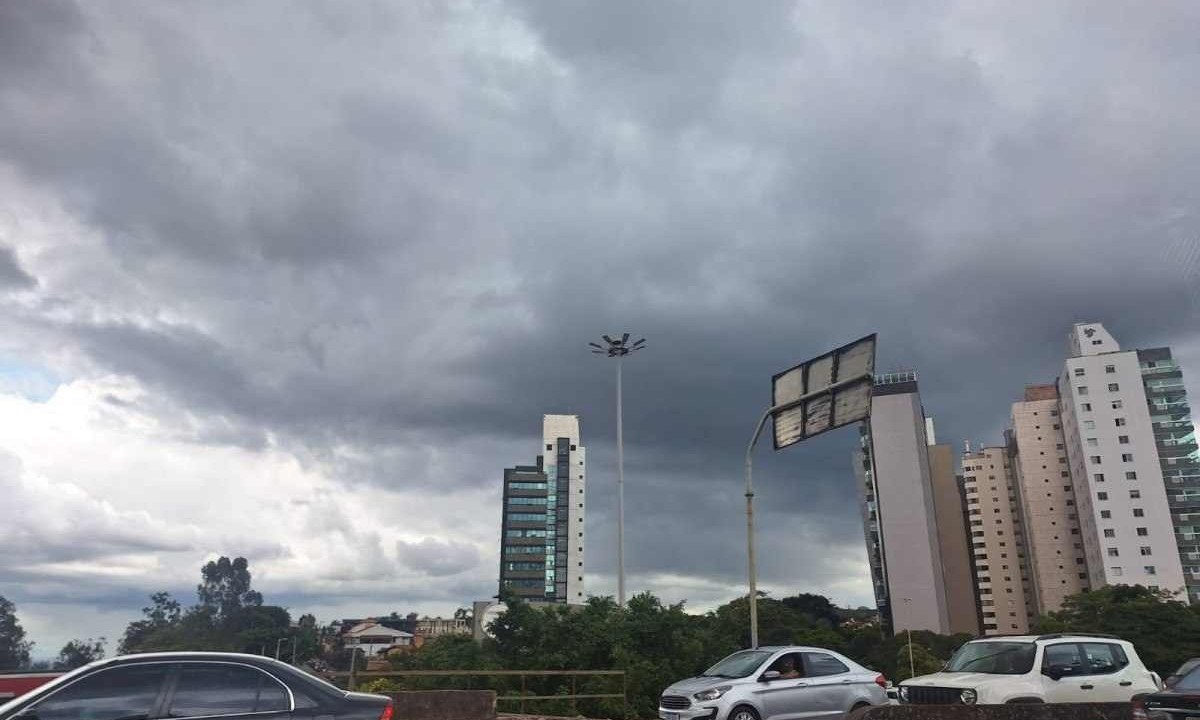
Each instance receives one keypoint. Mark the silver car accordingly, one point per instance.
(775, 683)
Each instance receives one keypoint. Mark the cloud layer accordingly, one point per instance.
(297, 280)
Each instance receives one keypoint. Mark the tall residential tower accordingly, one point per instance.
(1124, 518)
(541, 537)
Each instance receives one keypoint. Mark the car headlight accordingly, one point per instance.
(968, 696)
(712, 693)
(904, 693)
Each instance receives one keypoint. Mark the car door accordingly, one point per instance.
(125, 692)
(227, 690)
(1063, 675)
(783, 698)
(1105, 665)
(831, 686)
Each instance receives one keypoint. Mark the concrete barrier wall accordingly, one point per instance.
(1075, 711)
(447, 705)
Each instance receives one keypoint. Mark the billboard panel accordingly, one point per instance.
(828, 391)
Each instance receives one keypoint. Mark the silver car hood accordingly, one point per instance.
(696, 684)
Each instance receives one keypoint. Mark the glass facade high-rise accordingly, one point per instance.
(1178, 456)
(541, 536)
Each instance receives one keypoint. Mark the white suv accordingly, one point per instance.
(1061, 668)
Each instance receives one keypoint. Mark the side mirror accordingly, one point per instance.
(769, 675)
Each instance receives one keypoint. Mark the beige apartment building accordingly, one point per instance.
(1055, 556)
(952, 535)
(997, 540)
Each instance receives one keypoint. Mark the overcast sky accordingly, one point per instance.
(296, 281)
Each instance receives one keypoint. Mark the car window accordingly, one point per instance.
(221, 689)
(820, 664)
(1103, 658)
(1062, 659)
(738, 665)
(1189, 682)
(123, 693)
(997, 658)
(789, 666)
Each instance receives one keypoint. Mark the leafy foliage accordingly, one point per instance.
(78, 653)
(14, 648)
(229, 616)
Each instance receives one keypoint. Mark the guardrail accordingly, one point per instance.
(352, 678)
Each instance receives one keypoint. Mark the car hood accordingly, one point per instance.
(696, 684)
(957, 680)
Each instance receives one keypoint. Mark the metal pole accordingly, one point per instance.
(912, 668)
(750, 558)
(620, 493)
(278, 643)
(294, 644)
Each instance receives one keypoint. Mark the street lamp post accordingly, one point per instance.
(619, 348)
(278, 644)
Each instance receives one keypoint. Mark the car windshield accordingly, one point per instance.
(738, 665)
(1000, 658)
(1190, 682)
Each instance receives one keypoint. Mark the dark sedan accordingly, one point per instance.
(193, 685)
(1179, 702)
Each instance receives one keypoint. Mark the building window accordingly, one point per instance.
(1150, 570)
(1082, 390)
(1135, 494)
(1114, 387)
(1095, 459)
(1053, 413)
(1080, 372)
(1126, 457)
(1145, 550)
(1098, 477)
(1120, 422)
(1117, 404)
(1113, 552)
(1143, 532)
(1088, 425)
(1093, 442)
(1110, 369)
(1101, 496)
(1086, 407)
(1116, 572)
(1131, 475)
(1110, 533)
(1138, 512)
(1123, 439)
(1105, 514)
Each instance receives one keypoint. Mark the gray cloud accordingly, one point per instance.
(378, 238)
(11, 274)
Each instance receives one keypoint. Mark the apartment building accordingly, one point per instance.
(997, 541)
(1125, 520)
(1178, 457)
(1046, 498)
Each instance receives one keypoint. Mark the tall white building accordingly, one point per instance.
(1124, 519)
(565, 466)
(899, 514)
(541, 530)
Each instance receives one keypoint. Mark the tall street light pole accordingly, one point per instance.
(619, 348)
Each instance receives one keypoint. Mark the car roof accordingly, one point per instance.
(179, 656)
(1049, 637)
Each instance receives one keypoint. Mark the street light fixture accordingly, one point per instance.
(812, 398)
(619, 349)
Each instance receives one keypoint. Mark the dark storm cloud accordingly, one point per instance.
(396, 228)
(11, 274)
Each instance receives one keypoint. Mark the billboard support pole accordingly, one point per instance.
(751, 560)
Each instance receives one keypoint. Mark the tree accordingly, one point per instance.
(14, 648)
(225, 587)
(78, 653)
(162, 613)
(923, 662)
